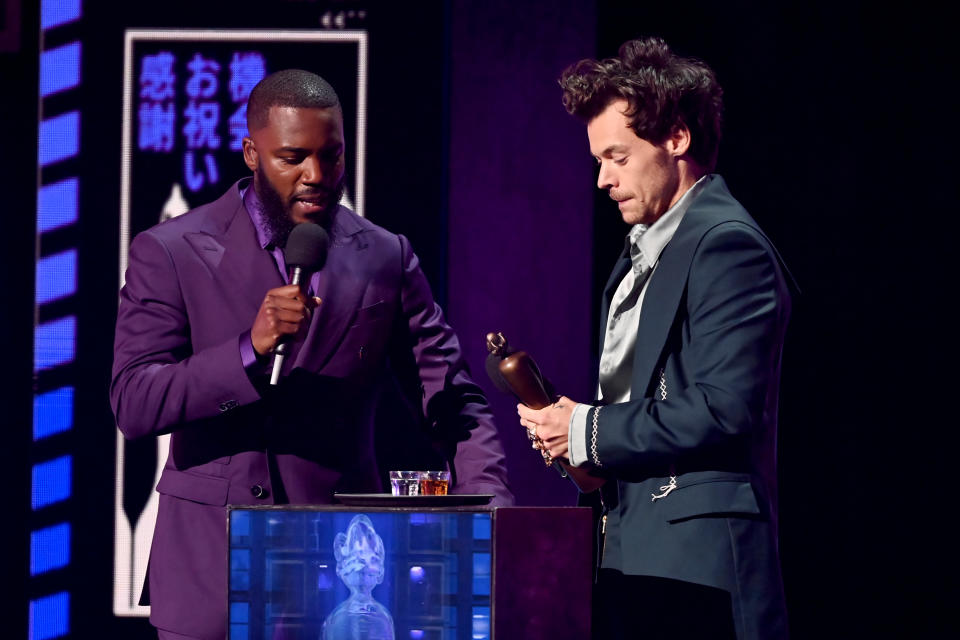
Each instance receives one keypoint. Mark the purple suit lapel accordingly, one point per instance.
(341, 291)
(241, 272)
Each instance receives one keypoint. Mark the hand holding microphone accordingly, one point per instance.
(285, 309)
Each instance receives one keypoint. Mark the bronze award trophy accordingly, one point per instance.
(516, 372)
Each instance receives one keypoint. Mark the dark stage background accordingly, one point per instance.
(838, 138)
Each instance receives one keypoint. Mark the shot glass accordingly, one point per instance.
(434, 483)
(405, 483)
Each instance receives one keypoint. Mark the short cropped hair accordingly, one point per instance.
(288, 88)
(662, 89)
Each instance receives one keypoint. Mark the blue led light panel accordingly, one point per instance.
(54, 13)
(57, 205)
(49, 548)
(54, 343)
(51, 481)
(52, 413)
(60, 69)
(50, 616)
(56, 276)
(59, 138)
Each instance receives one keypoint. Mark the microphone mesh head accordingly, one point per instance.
(307, 247)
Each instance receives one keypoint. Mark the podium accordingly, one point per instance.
(416, 572)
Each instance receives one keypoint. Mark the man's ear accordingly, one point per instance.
(679, 141)
(250, 155)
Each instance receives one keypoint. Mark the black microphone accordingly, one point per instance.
(305, 253)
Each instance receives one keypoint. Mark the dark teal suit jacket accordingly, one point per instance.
(711, 330)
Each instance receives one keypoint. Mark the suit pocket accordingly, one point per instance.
(194, 487)
(710, 494)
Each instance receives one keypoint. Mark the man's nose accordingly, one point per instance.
(312, 170)
(604, 177)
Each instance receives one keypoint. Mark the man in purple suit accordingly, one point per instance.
(206, 301)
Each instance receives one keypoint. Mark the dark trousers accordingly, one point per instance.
(627, 607)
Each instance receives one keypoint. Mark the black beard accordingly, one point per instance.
(276, 213)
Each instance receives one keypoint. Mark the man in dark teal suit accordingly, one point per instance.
(693, 322)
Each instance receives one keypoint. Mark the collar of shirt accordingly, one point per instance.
(647, 243)
(254, 208)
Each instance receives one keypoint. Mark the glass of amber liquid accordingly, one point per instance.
(434, 483)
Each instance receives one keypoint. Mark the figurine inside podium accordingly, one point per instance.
(360, 564)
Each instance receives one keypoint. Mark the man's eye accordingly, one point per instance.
(620, 161)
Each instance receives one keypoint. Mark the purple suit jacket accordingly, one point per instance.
(193, 287)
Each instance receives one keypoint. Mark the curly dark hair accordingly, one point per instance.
(288, 88)
(662, 89)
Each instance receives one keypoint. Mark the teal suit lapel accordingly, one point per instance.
(668, 283)
(660, 304)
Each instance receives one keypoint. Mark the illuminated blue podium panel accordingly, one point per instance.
(323, 573)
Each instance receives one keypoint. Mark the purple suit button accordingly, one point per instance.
(258, 491)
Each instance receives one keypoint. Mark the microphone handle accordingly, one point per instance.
(280, 351)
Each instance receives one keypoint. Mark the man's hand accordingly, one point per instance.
(552, 424)
(283, 312)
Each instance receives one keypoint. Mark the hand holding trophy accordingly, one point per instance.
(516, 372)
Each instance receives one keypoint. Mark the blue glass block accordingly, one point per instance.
(239, 632)
(52, 413)
(54, 13)
(240, 569)
(56, 276)
(481, 623)
(240, 581)
(239, 524)
(239, 612)
(49, 548)
(54, 343)
(57, 205)
(59, 138)
(481, 526)
(449, 616)
(60, 69)
(481, 574)
(51, 481)
(50, 616)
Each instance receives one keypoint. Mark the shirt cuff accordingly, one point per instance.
(577, 435)
(252, 363)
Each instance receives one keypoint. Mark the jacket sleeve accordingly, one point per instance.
(456, 410)
(736, 307)
(159, 384)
